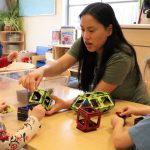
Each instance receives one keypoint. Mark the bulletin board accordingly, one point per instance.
(37, 7)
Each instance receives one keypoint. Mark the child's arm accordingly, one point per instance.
(120, 136)
(24, 134)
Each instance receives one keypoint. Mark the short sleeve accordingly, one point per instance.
(140, 134)
(117, 68)
(74, 50)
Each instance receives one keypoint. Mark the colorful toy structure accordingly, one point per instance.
(41, 97)
(88, 118)
(37, 97)
(99, 100)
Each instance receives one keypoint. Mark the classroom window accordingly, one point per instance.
(126, 11)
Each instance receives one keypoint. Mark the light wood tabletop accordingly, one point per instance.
(59, 132)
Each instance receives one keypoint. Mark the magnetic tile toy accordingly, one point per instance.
(88, 118)
(41, 97)
(99, 100)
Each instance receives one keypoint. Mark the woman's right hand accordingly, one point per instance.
(32, 80)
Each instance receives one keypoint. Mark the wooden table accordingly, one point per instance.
(59, 131)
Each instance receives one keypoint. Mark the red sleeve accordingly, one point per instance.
(4, 62)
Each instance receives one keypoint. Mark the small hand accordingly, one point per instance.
(12, 56)
(59, 104)
(115, 120)
(129, 110)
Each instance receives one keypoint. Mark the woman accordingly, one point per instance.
(107, 62)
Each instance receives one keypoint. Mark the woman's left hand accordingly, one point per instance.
(59, 104)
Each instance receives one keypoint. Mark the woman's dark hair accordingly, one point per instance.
(104, 14)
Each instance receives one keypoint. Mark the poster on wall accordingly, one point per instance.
(37, 7)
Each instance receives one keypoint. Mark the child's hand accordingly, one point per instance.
(3, 106)
(12, 56)
(129, 110)
(38, 111)
(116, 120)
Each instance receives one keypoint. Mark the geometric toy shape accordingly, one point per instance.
(41, 97)
(88, 118)
(22, 113)
(97, 99)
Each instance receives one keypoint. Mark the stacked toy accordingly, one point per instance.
(37, 97)
(97, 99)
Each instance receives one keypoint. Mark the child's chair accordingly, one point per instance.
(39, 59)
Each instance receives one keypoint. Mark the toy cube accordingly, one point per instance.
(97, 99)
(41, 97)
(22, 113)
(88, 118)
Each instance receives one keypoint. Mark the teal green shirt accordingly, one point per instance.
(120, 70)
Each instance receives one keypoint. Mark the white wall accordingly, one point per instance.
(38, 29)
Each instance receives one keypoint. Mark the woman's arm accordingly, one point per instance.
(33, 79)
(59, 66)
(103, 86)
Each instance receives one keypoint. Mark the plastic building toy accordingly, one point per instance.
(99, 100)
(88, 118)
(136, 120)
(37, 97)
(22, 113)
(3, 134)
(41, 97)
